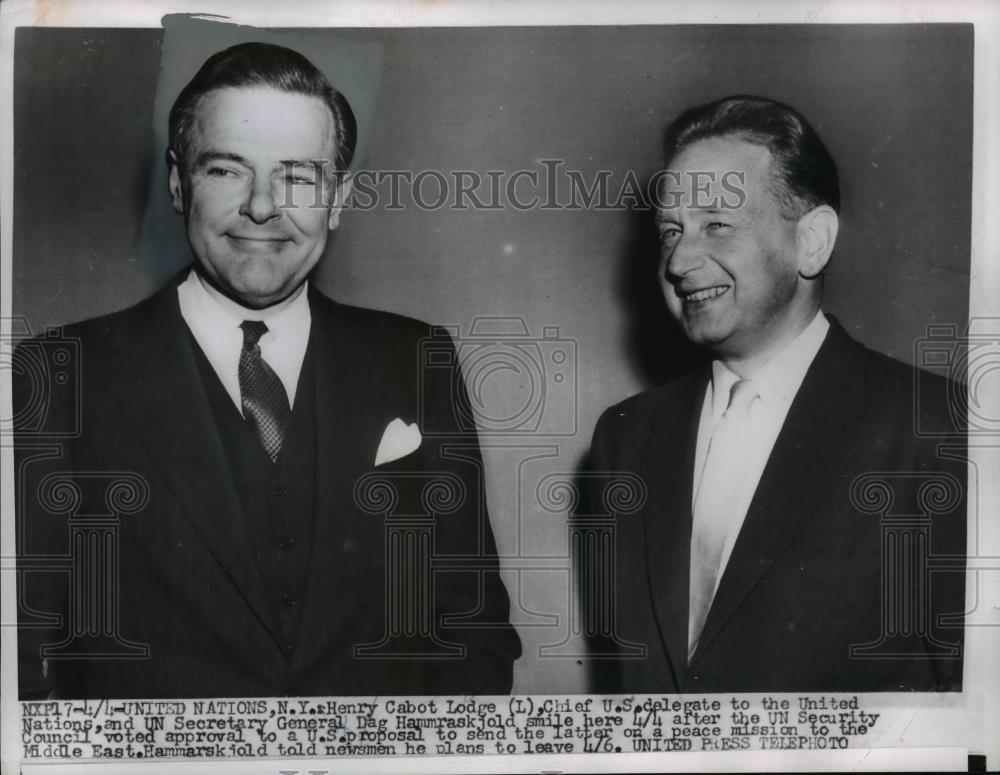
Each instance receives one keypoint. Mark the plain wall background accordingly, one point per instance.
(893, 103)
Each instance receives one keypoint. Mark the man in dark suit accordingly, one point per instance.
(244, 488)
(800, 531)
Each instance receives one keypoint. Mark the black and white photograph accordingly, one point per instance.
(499, 393)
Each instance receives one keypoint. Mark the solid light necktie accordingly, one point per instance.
(715, 504)
(265, 403)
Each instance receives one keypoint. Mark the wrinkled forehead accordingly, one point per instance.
(701, 191)
(715, 174)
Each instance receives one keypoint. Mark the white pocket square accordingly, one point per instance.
(398, 440)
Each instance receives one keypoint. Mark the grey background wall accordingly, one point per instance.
(893, 103)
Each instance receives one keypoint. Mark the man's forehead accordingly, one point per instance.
(667, 212)
(299, 124)
(722, 152)
(701, 193)
(715, 175)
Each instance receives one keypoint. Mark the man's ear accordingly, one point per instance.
(340, 193)
(174, 182)
(816, 232)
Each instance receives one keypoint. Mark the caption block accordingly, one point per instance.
(439, 726)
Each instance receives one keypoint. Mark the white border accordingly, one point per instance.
(488, 13)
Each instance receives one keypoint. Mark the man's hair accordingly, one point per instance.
(805, 173)
(249, 65)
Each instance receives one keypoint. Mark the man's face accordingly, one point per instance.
(254, 193)
(729, 263)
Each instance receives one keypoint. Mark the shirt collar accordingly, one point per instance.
(778, 380)
(221, 313)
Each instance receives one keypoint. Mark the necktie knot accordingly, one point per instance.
(253, 330)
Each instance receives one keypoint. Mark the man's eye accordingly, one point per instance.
(715, 226)
(221, 172)
(669, 236)
(301, 180)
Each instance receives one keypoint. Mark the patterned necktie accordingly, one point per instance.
(714, 505)
(265, 403)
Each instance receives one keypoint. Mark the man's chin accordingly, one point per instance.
(710, 335)
(254, 293)
(262, 297)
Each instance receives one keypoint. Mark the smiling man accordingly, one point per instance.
(785, 540)
(270, 437)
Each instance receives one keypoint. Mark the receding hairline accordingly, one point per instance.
(808, 174)
(749, 137)
(256, 63)
(197, 110)
(776, 184)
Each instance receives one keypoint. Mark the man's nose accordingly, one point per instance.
(686, 255)
(261, 204)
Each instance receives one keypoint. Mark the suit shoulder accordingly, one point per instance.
(641, 406)
(902, 380)
(912, 397)
(50, 365)
(376, 323)
(888, 372)
(102, 329)
(634, 407)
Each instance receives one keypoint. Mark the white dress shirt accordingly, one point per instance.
(215, 321)
(776, 382)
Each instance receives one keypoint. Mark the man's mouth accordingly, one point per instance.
(702, 294)
(253, 238)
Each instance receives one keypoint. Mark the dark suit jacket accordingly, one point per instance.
(850, 493)
(186, 611)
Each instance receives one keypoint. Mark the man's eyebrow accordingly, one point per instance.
(205, 157)
(317, 164)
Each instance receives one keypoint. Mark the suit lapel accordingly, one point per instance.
(811, 449)
(667, 464)
(348, 423)
(157, 385)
